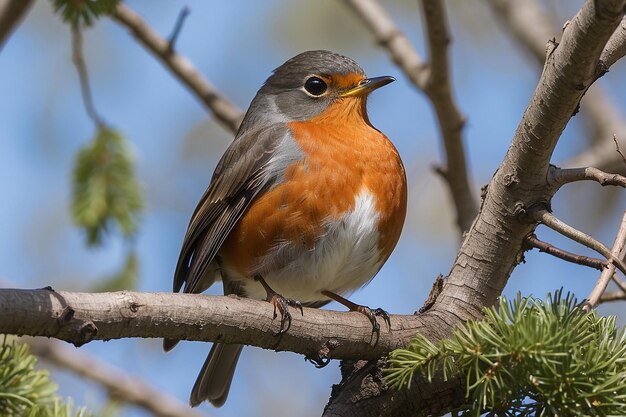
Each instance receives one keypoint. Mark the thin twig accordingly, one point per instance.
(533, 242)
(544, 216)
(603, 281)
(558, 177)
(178, 27)
(434, 80)
(618, 149)
(225, 111)
(81, 68)
(11, 14)
(118, 384)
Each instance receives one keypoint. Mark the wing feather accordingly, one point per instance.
(252, 164)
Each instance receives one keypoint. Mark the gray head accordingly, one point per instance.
(307, 84)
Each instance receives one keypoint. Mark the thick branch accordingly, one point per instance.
(118, 384)
(11, 14)
(81, 317)
(434, 80)
(528, 23)
(225, 111)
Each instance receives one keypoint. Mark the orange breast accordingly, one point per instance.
(344, 155)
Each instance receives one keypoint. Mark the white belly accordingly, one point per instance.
(345, 258)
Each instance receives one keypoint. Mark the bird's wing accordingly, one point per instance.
(252, 164)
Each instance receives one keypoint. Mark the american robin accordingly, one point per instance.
(306, 204)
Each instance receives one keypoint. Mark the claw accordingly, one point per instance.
(319, 362)
(379, 312)
(281, 304)
(371, 314)
(298, 305)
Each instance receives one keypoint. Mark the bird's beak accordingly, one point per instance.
(368, 85)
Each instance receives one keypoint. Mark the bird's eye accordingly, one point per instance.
(315, 86)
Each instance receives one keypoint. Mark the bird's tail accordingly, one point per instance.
(168, 344)
(216, 375)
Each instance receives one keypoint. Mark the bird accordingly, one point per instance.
(305, 205)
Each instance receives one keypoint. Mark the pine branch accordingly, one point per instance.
(527, 355)
(119, 385)
(105, 189)
(26, 391)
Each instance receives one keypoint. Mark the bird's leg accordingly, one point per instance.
(370, 313)
(281, 304)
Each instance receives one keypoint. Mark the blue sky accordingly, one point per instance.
(176, 142)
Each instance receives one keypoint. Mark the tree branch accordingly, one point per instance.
(494, 244)
(226, 112)
(83, 76)
(559, 176)
(434, 80)
(544, 216)
(11, 14)
(438, 87)
(530, 26)
(616, 46)
(118, 384)
(180, 20)
(545, 247)
(388, 35)
(612, 296)
(79, 318)
(603, 281)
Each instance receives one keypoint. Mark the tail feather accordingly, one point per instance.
(169, 344)
(216, 375)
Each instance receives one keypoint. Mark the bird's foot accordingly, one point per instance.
(370, 313)
(281, 304)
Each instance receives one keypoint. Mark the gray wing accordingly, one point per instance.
(251, 165)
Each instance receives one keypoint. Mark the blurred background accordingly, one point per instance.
(176, 144)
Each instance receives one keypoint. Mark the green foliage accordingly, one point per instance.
(126, 279)
(83, 12)
(105, 188)
(527, 357)
(25, 391)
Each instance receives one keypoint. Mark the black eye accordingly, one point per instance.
(315, 86)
